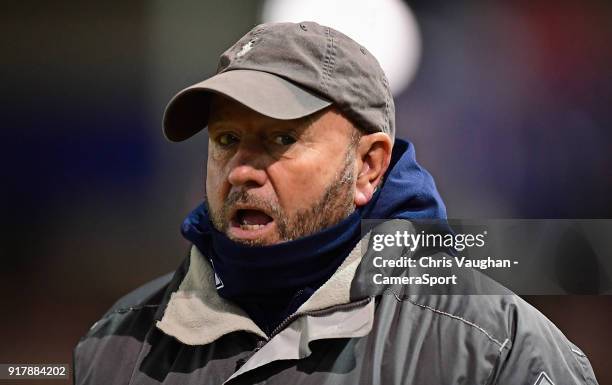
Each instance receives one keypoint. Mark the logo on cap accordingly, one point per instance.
(246, 48)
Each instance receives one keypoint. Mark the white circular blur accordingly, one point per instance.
(387, 28)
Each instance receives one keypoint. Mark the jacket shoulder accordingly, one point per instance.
(504, 334)
(141, 295)
(540, 352)
(119, 332)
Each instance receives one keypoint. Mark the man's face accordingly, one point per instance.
(270, 180)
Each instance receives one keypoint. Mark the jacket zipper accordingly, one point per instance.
(293, 316)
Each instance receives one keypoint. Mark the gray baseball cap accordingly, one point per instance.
(287, 71)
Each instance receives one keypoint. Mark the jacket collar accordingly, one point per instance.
(196, 315)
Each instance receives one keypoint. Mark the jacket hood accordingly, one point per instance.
(408, 190)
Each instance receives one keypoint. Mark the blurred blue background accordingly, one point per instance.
(510, 110)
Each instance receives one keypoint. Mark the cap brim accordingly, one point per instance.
(268, 94)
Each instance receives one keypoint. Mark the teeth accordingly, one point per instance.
(244, 226)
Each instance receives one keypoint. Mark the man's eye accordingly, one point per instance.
(227, 139)
(284, 140)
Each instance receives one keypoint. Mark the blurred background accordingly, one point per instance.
(507, 103)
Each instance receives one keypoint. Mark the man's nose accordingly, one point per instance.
(248, 166)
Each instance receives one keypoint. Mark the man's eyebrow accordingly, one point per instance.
(309, 120)
(298, 125)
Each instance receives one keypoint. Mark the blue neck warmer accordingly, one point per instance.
(271, 282)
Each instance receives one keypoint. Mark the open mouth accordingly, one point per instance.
(250, 220)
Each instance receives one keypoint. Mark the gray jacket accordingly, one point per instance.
(178, 330)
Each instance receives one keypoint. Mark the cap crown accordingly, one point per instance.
(324, 61)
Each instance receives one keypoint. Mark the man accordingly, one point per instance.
(302, 148)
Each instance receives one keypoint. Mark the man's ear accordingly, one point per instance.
(373, 158)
